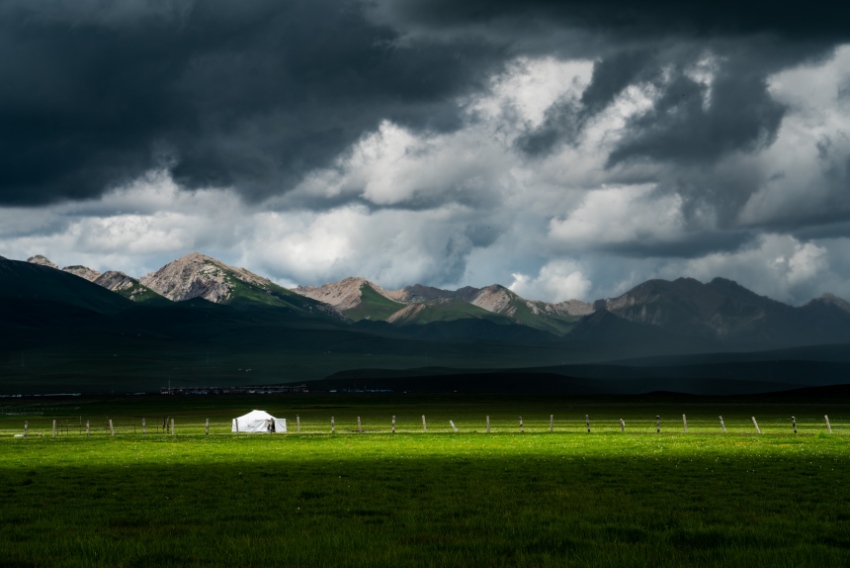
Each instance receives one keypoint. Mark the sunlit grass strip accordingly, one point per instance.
(435, 500)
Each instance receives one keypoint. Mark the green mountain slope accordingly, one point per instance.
(443, 311)
(143, 295)
(373, 306)
(538, 316)
(249, 295)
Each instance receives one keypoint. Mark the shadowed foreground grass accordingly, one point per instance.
(541, 499)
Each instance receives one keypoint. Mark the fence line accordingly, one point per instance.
(644, 427)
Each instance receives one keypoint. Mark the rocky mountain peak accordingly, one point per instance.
(496, 299)
(127, 286)
(83, 272)
(199, 276)
(115, 280)
(418, 299)
(43, 261)
(574, 308)
(342, 295)
(357, 281)
(419, 293)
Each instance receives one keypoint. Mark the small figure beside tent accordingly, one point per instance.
(259, 422)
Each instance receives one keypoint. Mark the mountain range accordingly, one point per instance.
(197, 308)
(721, 310)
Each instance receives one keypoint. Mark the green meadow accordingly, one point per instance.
(512, 497)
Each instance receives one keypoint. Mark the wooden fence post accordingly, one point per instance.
(794, 423)
(111, 429)
(359, 426)
(333, 426)
(424, 425)
(144, 428)
(551, 423)
(622, 425)
(521, 427)
(54, 427)
(172, 426)
(657, 423)
(393, 423)
(26, 428)
(88, 429)
(722, 425)
(298, 422)
(453, 426)
(207, 427)
(488, 423)
(756, 424)
(587, 421)
(828, 427)
(685, 422)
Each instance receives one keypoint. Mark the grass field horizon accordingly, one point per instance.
(507, 498)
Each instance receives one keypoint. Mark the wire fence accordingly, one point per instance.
(697, 425)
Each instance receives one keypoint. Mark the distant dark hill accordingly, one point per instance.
(51, 346)
(833, 352)
(828, 393)
(726, 313)
(720, 309)
(828, 318)
(44, 316)
(719, 374)
(603, 325)
(603, 331)
(472, 330)
(22, 283)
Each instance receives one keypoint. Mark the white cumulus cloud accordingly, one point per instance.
(557, 281)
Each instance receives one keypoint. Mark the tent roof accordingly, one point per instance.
(257, 415)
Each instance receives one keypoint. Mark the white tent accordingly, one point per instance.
(259, 422)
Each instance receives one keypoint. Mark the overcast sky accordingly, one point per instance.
(566, 149)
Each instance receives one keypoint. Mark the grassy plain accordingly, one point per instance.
(565, 498)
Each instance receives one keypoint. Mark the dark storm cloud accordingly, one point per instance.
(829, 216)
(691, 246)
(255, 95)
(564, 120)
(94, 95)
(683, 129)
(634, 43)
(73, 114)
(818, 19)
